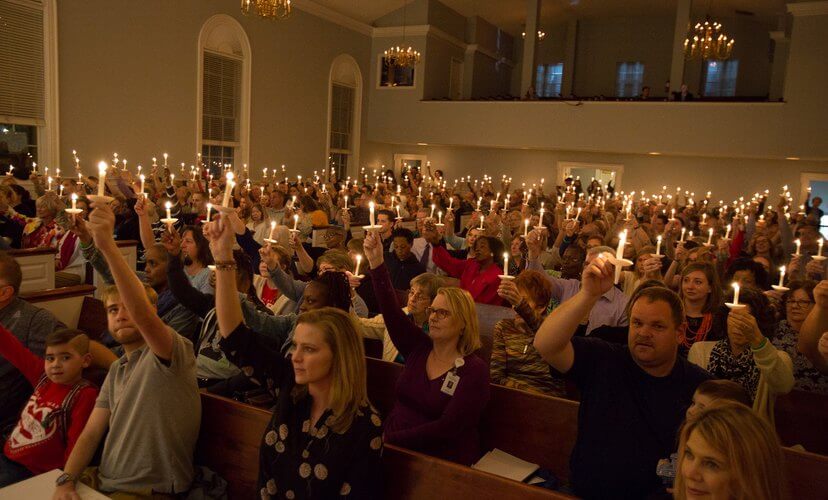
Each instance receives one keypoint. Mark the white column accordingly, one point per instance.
(780, 64)
(527, 72)
(568, 82)
(681, 28)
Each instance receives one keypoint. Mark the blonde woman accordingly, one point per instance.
(728, 452)
(324, 440)
(444, 387)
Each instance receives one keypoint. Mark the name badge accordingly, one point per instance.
(450, 383)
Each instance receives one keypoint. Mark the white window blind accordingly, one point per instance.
(221, 98)
(548, 80)
(342, 111)
(720, 78)
(22, 86)
(629, 79)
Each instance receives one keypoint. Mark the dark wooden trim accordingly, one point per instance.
(58, 293)
(28, 252)
(126, 243)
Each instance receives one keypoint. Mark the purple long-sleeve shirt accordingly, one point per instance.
(424, 418)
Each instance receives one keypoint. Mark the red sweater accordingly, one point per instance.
(482, 285)
(38, 449)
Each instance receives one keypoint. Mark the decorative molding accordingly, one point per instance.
(398, 31)
(808, 9)
(778, 36)
(330, 15)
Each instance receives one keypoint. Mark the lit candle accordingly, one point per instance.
(540, 219)
(420, 189)
(143, 180)
(781, 275)
(578, 213)
(432, 211)
(228, 190)
(709, 236)
(295, 222)
(346, 202)
(451, 202)
(60, 191)
(819, 253)
(101, 178)
(479, 201)
(682, 235)
(74, 201)
(798, 245)
(525, 227)
(439, 216)
(209, 208)
(371, 213)
(492, 206)
(481, 222)
(727, 234)
(658, 245)
(359, 261)
(398, 212)
(168, 205)
(690, 235)
(165, 159)
(506, 263)
(49, 184)
(735, 286)
(672, 213)
(622, 240)
(272, 229)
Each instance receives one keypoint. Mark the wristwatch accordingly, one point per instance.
(64, 478)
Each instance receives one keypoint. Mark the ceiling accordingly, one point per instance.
(510, 14)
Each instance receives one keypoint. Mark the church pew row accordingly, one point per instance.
(542, 430)
(802, 418)
(65, 303)
(38, 268)
(231, 433)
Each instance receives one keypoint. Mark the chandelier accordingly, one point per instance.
(707, 41)
(402, 57)
(541, 35)
(269, 9)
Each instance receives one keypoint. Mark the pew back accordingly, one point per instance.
(65, 303)
(802, 418)
(38, 268)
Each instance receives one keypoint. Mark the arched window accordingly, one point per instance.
(223, 107)
(344, 114)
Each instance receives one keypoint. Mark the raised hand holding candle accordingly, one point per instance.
(102, 178)
(781, 276)
(296, 222)
(658, 245)
(371, 213)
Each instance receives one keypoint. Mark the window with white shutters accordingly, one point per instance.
(342, 112)
(221, 105)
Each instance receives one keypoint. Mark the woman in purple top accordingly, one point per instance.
(444, 387)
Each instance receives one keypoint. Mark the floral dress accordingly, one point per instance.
(36, 234)
(807, 377)
(297, 460)
(739, 368)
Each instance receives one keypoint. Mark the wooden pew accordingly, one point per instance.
(129, 249)
(65, 303)
(802, 418)
(38, 267)
(542, 429)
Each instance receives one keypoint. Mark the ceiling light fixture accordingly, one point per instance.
(275, 10)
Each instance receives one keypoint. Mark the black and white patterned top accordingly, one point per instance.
(738, 368)
(297, 460)
(807, 377)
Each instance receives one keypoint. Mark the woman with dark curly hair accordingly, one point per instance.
(747, 356)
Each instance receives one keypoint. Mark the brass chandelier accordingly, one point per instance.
(402, 57)
(275, 10)
(708, 41)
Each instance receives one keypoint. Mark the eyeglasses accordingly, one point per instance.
(439, 313)
(799, 303)
(418, 295)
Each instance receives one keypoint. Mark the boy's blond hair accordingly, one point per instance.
(111, 292)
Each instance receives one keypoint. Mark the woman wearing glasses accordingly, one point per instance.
(799, 301)
(444, 387)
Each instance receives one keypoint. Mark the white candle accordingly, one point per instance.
(735, 293)
(432, 211)
(622, 240)
(506, 263)
(540, 219)
(439, 216)
(165, 159)
(74, 201)
(49, 184)
(371, 213)
(727, 234)
(658, 245)
(228, 190)
(420, 189)
(709, 236)
(398, 212)
(672, 213)
(60, 191)
(481, 222)
(525, 227)
(781, 275)
(492, 206)
(451, 202)
(798, 245)
(819, 253)
(359, 261)
(209, 208)
(168, 205)
(296, 222)
(682, 235)
(690, 235)
(101, 177)
(272, 229)
(578, 214)
(479, 201)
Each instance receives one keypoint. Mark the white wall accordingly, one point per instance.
(128, 74)
(726, 178)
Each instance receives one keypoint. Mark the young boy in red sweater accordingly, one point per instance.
(57, 411)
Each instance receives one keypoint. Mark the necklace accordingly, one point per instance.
(699, 335)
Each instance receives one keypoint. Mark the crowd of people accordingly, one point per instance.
(266, 290)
